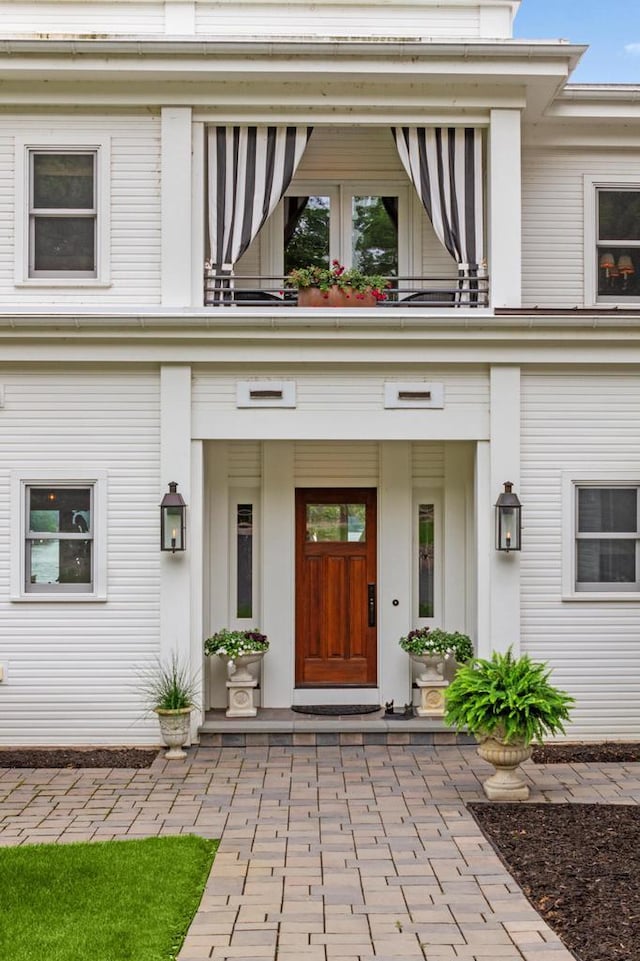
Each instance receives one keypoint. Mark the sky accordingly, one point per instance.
(610, 27)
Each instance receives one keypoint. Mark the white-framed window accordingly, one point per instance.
(427, 557)
(62, 213)
(59, 537)
(601, 537)
(243, 555)
(363, 224)
(612, 241)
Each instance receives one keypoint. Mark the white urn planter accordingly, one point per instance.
(174, 728)
(432, 685)
(241, 684)
(507, 784)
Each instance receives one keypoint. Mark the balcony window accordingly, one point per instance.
(307, 240)
(312, 231)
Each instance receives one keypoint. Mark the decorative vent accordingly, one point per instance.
(266, 393)
(413, 395)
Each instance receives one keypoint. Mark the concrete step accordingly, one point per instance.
(285, 728)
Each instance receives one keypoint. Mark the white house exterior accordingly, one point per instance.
(118, 374)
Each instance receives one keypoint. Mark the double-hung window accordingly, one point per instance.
(606, 537)
(59, 537)
(62, 213)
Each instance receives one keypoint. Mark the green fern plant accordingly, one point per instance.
(508, 698)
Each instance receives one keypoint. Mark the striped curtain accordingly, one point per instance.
(445, 166)
(249, 170)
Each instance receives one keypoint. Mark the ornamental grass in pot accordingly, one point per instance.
(507, 703)
(170, 691)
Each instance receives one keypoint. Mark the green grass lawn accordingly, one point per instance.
(107, 901)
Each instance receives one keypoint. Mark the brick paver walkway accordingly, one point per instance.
(348, 853)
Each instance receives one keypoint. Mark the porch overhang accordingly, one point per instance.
(156, 72)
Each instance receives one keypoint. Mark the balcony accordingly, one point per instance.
(270, 292)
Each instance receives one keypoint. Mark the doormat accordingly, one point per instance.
(335, 710)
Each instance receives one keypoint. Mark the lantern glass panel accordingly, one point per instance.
(172, 518)
(508, 528)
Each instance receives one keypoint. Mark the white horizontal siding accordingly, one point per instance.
(253, 19)
(553, 219)
(578, 421)
(427, 461)
(352, 153)
(135, 207)
(320, 19)
(81, 17)
(244, 460)
(316, 462)
(72, 668)
(333, 389)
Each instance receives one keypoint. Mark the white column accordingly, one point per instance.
(175, 190)
(278, 572)
(454, 550)
(484, 547)
(505, 208)
(198, 212)
(217, 563)
(505, 466)
(196, 572)
(395, 550)
(175, 465)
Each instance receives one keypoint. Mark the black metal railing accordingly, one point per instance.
(221, 290)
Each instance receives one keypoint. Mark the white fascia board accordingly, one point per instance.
(47, 58)
(604, 133)
(596, 110)
(471, 347)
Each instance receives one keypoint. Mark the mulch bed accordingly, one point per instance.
(608, 751)
(77, 757)
(579, 866)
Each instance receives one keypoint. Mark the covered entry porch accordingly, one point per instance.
(337, 428)
(335, 549)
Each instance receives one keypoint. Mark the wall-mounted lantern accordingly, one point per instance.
(508, 520)
(172, 520)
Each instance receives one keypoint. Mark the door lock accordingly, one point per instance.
(371, 604)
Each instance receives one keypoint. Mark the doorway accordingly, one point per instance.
(336, 589)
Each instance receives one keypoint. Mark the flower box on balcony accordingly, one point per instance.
(335, 286)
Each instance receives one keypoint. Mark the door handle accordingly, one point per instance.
(371, 604)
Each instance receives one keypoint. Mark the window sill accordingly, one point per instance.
(62, 282)
(596, 596)
(58, 598)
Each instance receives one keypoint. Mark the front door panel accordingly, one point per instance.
(336, 636)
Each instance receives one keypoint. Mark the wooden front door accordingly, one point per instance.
(336, 637)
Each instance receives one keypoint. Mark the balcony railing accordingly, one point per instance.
(220, 290)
